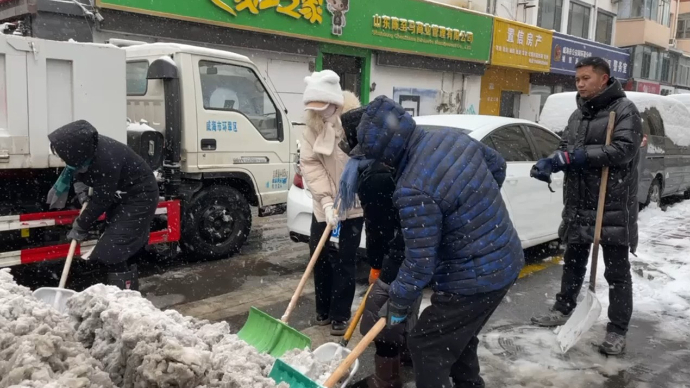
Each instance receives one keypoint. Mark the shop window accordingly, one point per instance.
(646, 62)
(546, 142)
(578, 20)
(665, 68)
(604, 27)
(512, 144)
(233, 88)
(549, 15)
(137, 84)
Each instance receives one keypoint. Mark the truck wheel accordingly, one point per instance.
(216, 223)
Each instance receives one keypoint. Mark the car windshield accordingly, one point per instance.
(433, 128)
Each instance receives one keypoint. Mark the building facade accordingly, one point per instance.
(429, 57)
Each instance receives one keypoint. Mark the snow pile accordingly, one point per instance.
(142, 346)
(37, 344)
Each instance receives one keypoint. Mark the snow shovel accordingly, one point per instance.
(57, 297)
(274, 336)
(587, 312)
(283, 372)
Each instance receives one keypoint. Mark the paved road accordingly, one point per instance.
(267, 270)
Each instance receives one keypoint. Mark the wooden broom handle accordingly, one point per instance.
(344, 367)
(310, 267)
(70, 253)
(355, 319)
(600, 207)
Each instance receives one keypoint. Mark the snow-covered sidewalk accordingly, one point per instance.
(530, 357)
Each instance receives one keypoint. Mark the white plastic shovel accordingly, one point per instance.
(57, 297)
(587, 312)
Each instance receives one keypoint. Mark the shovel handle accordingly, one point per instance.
(310, 267)
(600, 207)
(70, 254)
(356, 352)
(355, 319)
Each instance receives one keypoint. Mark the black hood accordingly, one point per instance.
(613, 92)
(350, 120)
(75, 143)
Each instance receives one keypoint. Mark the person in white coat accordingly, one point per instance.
(322, 162)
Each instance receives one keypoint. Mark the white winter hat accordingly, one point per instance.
(322, 86)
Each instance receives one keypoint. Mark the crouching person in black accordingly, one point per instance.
(124, 188)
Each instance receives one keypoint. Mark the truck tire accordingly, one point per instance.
(216, 223)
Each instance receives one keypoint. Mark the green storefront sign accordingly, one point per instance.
(409, 26)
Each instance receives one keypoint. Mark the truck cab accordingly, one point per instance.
(227, 138)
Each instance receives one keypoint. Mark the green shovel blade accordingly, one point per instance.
(283, 372)
(270, 335)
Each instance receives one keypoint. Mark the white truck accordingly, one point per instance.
(206, 121)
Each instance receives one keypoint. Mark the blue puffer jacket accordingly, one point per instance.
(458, 235)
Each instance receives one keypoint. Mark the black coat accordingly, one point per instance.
(587, 129)
(385, 243)
(124, 188)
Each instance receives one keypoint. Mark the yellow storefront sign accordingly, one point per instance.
(521, 46)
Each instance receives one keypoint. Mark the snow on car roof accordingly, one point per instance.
(478, 125)
(676, 116)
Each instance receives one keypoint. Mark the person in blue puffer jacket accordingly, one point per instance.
(458, 236)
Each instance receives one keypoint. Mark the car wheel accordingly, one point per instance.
(216, 223)
(654, 195)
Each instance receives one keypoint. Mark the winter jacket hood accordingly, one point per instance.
(587, 130)
(75, 143)
(458, 236)
(384, 131)
(322, 160)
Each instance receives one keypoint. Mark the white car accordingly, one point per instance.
(534, 209)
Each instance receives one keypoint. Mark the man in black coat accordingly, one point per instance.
(124, 188)
(581, 155)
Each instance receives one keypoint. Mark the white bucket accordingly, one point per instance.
(327, 352)
(56, 297)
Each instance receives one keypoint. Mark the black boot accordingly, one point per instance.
(125, 280)
(387, 373)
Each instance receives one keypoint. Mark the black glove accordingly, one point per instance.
(77, 233)
(82, 192)
(561, 159)
(394, 314)
(542, 170)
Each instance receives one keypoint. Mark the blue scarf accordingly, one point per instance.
(347, 191)
(64, 181)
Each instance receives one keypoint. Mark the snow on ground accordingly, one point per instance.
(661, 295)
